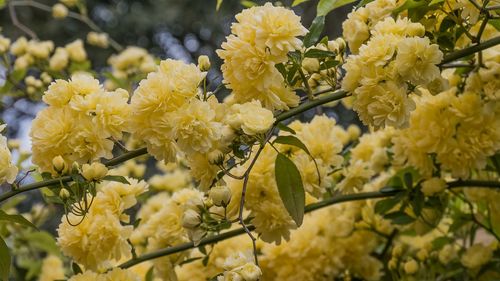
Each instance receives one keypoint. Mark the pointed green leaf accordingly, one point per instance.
(116, 178)
(149, 275)
(314, 31)
(292, 140)
(44, 241)
(298, 2)
(217, 7)
(285, 128)
(290, 187)
(15, 219)
(5, 261)
(326, 6)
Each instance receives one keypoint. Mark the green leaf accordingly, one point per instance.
(247, 4)
(495, 23)
(44, 241)
(285, 128)
(281, 68)
(149, 275)
(217, 7)
(314, 31)
(298, 2)
(329, 64)
(15, 219)
(5, 261)
(408, 5)
(290, 187)
(116, 178)
(326, 6)
(292, 140)
(76, 268)
(317, 53)
(399, 217)
(383, 206)
(440, 242)
(2, 4)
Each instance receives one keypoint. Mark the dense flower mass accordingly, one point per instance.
(260, 39)
(99, 237)
(79, 123)
(394, 56)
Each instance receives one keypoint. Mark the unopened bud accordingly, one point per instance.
(411, 267)
(59, 164)
(59, 11)
(64, 193)
(310, 65)
(203, 63)
(191, 219)
(220, 195)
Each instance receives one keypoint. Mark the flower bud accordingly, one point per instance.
(433, 186)
(59, 164)
(59, 11)
(4, 44)
(220, 195)
(411, 267)
(94, 171)
(310, 65)
(194, 204)
(249, 272)
(191, 219)
(203, 63)
(64, 193)
(75, 167)
(354, 132)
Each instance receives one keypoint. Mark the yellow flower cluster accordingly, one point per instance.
(79, 122)
(240, 266)
(100, 238)
(356, 28)
(161, 226)
(117, 274)
(133, 60)
(8, 171)
(323, 140)
(462, 132)
(378, 76)
(261, 38)
(27, 52)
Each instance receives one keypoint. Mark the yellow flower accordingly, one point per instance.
(416, 60)
(59, 59)
(385, 104)
(98, 39)
(8, 171)
(195, 128)
(76, 51)
(251, 74)
(59, 11)
(355, 29)
(118, 274)
(262, 37)
(99, 238)
(40, 49)
(4, 44)
(476, 256)
(433, 186)
(131, 60)
(276, 28)
(251, 117)
(153, 102)
(52, 269)
(19, 46)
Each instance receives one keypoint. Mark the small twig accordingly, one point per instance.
(18, 24)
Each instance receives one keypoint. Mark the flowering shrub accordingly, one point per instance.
(159, 178)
